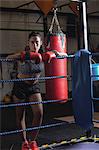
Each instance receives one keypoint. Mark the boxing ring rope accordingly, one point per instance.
(40, 78)
(30, 129)
(13, 60)
(29, 79)
(28, 103)
(44, 102)
(59, 57)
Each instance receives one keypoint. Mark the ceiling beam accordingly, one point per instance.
(24, 4)
(4, 9)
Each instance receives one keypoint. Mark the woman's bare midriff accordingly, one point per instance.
(22, 76)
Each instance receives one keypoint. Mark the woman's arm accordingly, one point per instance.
(59, 53)
(14, 56)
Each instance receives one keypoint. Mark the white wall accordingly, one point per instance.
(12, 41)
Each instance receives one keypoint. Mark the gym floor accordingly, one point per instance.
(56, 134)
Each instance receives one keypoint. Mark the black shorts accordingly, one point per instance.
(24, 90)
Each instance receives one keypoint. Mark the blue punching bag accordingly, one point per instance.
(81, 89)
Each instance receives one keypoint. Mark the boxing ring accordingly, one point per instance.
(80, 142)
(85, 139)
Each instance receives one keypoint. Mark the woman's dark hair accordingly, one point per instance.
(34, 34)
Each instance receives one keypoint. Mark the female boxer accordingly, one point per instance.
(29, 91)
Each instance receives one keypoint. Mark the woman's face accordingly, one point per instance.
(35, 43)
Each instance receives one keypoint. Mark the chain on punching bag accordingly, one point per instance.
(56, 89)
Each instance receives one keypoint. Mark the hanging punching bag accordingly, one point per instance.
(56, 89)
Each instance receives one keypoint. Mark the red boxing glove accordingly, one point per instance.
(48, 56)
(23, 55)
(36, 56)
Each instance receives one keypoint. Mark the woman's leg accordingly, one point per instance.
(20, 118)
(37, 114)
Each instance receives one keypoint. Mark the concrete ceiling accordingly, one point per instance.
(93, 5)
